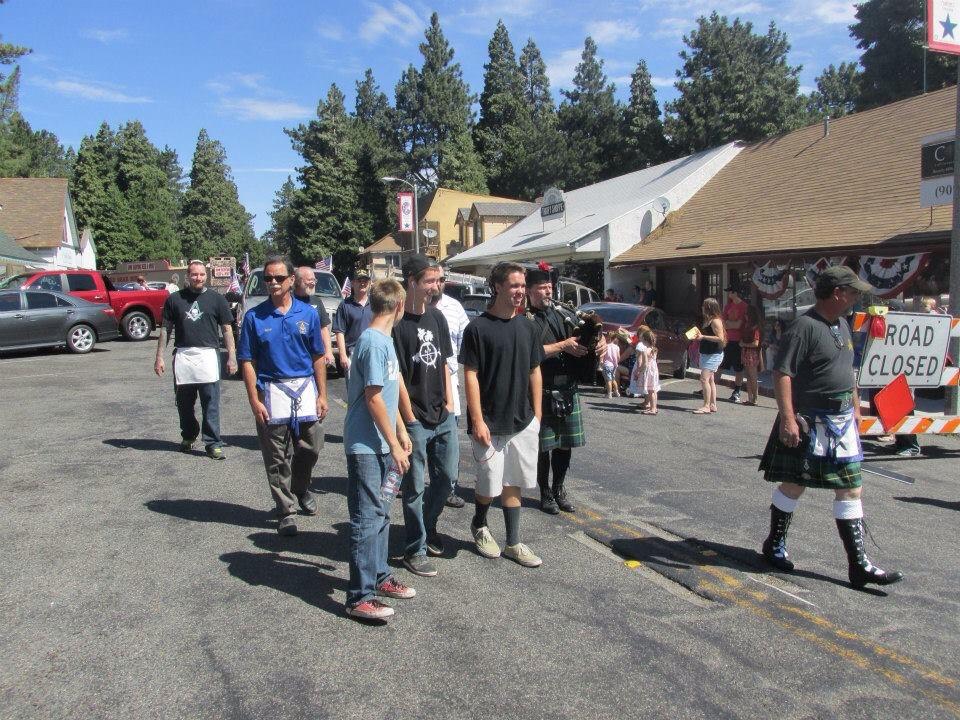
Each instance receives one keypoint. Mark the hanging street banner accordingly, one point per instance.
(812, 270)
(936, 169)
(771, 280)
(888, 276)
(405, 209)
(943, 26)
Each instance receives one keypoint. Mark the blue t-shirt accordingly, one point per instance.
(374, 363)
(352, 319)
(280, 345)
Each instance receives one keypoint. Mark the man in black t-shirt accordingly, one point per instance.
(422, 341)
(501, 355)
(815, 440)
(304, 285)
(196, 316)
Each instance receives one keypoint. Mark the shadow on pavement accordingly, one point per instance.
(334, 546)
(671, 556)
(213, 511)
(145, 444)
(295, 576)
(247, 442)
(933, 502)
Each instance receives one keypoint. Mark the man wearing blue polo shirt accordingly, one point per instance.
(281, 355)
(352, 317)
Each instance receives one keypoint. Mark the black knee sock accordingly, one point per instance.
(543, 470)
(511, 518)
(480, 514)
(560, 463)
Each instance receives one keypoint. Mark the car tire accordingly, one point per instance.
(681, 371)
(81, 339)
(136, 326)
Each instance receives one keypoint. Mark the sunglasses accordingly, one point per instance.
(274, 278)
(837, 338)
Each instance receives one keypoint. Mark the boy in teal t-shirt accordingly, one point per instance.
(374, 442)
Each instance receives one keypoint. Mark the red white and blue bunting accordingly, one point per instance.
(812, 270)
(888, 276)
(771, 280)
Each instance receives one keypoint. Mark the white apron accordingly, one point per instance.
(196, 365)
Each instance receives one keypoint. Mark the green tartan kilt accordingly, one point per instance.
(561, 432)
(794, 465)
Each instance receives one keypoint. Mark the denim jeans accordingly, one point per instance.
(369, 525)
(209, 406)
(435, 448)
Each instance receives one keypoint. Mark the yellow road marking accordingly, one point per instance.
(632, 564)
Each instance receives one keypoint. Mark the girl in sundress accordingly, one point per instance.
(648, 370)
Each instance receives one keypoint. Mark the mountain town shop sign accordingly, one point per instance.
(553, 203)
(936, 169)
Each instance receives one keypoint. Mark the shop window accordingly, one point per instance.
(713, 284)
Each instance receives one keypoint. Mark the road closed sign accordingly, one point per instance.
(914, 345)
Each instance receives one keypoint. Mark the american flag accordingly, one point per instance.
(246, 264)
(325, 264)
(347, 288)
(234, 283)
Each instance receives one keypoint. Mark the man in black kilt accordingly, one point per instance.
(815, 441)
(561, 428)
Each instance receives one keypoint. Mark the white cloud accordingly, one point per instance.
(331, 31)
(103, 35)
(806, 89)
(91, 90)
(662, 82)
(611, 31)
(500, 9)
(833, 12)
(561, 68)
(263, 109)
(399, 22)
(278, 170)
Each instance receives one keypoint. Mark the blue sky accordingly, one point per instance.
(245, 69)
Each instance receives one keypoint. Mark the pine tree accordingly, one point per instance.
(838, 89)
(93, 174)
(279, 238)
(114, 230)
(589, 120)
(212, 221)
(891, 35)
(734, 85)
(326, 217)
(9, 84)
(434, 118)
(643, 141)
(145, 185)
(376, 154)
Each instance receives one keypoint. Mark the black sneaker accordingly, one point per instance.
(455, 501)
(287, 525)
(434, 544)
(420, 565)
(735, 395)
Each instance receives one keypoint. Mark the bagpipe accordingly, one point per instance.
(587, 327)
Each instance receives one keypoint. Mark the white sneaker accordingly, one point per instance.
(521, 554)
(486, 545)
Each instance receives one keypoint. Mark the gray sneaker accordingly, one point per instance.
(735, 395)
(486, 545)
(420, 565)
(521, 554)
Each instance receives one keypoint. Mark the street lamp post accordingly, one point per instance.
(416, 216)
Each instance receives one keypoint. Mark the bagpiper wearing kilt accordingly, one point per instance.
(561, 428)
(815, 441)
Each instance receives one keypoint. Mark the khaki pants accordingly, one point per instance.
(289, 461)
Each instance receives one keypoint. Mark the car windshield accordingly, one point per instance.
(615, 314)
(13, 282)
(326, 284)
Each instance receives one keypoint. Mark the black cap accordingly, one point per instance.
(840, 276)
(539, 274)
(416, 264)
(361, 274)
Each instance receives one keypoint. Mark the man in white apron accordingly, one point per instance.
(197, 316)
(282, 353)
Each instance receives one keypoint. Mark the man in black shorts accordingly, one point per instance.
(501, 354)
(815, 440)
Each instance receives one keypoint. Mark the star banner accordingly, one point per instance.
(813, 269)
(771, 280)
(943, 26)
(888, 276)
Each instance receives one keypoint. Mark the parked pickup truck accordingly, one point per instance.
(138, 311)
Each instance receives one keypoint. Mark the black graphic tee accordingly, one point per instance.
(196, 317)
(423, 346)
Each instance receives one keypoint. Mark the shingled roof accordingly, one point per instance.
(11, 252)
(854, 187)
(33, 210)
(505, 209)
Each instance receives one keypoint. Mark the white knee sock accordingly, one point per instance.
(847, 509)
(784, 503)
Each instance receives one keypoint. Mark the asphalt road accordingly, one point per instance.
(139, 582)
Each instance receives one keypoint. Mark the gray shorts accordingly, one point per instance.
(510, 461)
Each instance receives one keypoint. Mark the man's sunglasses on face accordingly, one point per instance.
(274, 278)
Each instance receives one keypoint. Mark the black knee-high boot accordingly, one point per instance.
(547, 502)
(862, 571)
(560, 463)
(775, 546)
